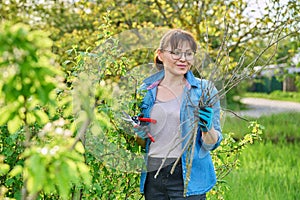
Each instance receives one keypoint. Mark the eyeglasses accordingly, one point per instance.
(177, 54)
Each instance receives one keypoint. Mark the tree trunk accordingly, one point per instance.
(289, 85)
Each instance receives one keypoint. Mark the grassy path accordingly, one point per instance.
(259, 106)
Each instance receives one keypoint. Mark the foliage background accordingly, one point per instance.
(45, 47)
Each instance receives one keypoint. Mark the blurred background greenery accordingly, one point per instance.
(45, 45)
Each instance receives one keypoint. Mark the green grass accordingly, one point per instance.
(268, 172)
(276, 95)
(269, 169)
(283, 126)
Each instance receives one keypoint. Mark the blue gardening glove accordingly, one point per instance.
(141, 131)
(206, 117)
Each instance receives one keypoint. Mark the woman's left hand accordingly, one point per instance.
(206, 116)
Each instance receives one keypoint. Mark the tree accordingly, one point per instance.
(39, 148)
(34, 106)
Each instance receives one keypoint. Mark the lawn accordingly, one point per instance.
(270, 169)
(276, 95)
(278, 127)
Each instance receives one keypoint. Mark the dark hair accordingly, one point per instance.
(173, 38)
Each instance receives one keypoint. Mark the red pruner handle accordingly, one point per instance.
(150, 137)
(147, 120)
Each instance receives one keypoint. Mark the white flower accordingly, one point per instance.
(44, 150)
(54, 150)
(59, 131)
(68, 133)
(60, 122)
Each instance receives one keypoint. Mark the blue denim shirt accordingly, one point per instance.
(202, 176)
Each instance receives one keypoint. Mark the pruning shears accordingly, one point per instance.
(136, 122)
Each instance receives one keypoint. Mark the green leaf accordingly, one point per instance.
(79, 147)
(4, 168)
(14, 124)
(42, 95)
(30, 184)
(6, 113)
(84, 173)
(16, 171)
(41, 116)
(64, 180)
(30, 118)
(37, 173)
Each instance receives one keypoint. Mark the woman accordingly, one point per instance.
(172, 98)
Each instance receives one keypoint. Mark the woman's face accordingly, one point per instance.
(178, 61)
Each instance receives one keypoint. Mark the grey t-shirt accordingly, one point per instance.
(167, 129)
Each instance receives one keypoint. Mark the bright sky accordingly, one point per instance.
(256, 7)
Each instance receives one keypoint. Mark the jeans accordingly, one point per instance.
(167, 186)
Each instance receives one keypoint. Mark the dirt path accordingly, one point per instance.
(258, 107)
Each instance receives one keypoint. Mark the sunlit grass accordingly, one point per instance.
(283, 126)
(268, 171)
(276, 95)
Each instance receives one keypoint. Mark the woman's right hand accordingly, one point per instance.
(141, 134)
(141, 131)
